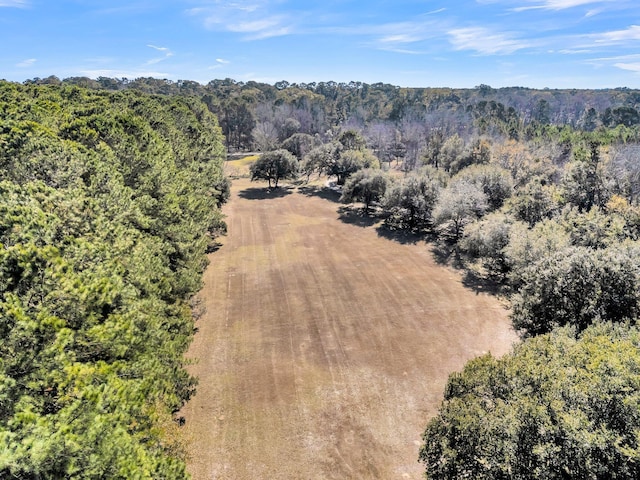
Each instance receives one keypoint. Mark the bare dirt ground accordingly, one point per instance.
(326, 346)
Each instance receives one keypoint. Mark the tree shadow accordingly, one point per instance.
(213, 247)
(405, 237)
(322, 192)
(356, 216)
(446, 253)
(256, 193)
(482, 284)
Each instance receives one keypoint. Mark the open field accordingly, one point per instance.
(326, 346)
(237, 166)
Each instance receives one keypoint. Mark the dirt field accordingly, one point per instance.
(326, 346)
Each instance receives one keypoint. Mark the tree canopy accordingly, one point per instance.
(578, 286)
(110, 193)
(366, 186)
(108, 202)
(274, 166)
(557, 407)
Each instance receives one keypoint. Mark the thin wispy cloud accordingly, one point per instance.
(545, 42)
(160, 49)
(255, 20)
(14, 3)
(400, 38)
(399, 43)
(633, 67)
(629, 63)
(26, 63)
(167, 54)
(220, 63)
(126, 9)
(568, 51)
(485, 41)
(557, 5)
(275, 26)
(617, 36)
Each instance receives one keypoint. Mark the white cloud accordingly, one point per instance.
(160, 49)
(547, 4)
(564, 4)
(26, 63)
(220, 63)
(617, 36)
(485, 41)
(256, 20)
(395, 42)
(633, 67)
(624, 62)
(596, 42)
(14, 3)
(569, 51)
(274, 26)
(400, 38)
(167, 54)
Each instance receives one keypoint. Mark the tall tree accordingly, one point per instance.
(578, 286)
(555, 408)
(458, 205)
(274, 166)
(366, 186)
(410, 202)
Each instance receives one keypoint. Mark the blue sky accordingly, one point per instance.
(414, 43)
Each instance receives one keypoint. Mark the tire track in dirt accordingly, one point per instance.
(325, 347)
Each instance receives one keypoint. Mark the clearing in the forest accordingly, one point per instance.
(326, 345)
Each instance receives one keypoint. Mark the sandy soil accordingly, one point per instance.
(326, 346)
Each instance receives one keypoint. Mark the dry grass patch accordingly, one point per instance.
(325, 347)
(239, 167)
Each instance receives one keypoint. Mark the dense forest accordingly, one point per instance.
(108, 203)
(110, 195)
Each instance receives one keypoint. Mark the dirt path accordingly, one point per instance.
(325, 347)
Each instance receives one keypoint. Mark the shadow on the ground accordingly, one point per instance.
(446, 253)
(256, 193)
(356, 216)
(398, 235)
(213, 247)
(480, 284)
(322, 192)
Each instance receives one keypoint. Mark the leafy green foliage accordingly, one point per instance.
(299, 144)
(583, 182)
(458, 205)
(595, 228)
(410, 202)
(274, 166)
(107, 204)
(555, 408)
(366, 186)
(528, 245)
(487, 239)
(494, 181)
(533, 202)
(578, 286)
(108, 199)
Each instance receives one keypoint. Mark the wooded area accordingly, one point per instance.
(111, 191)
(108, 204)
